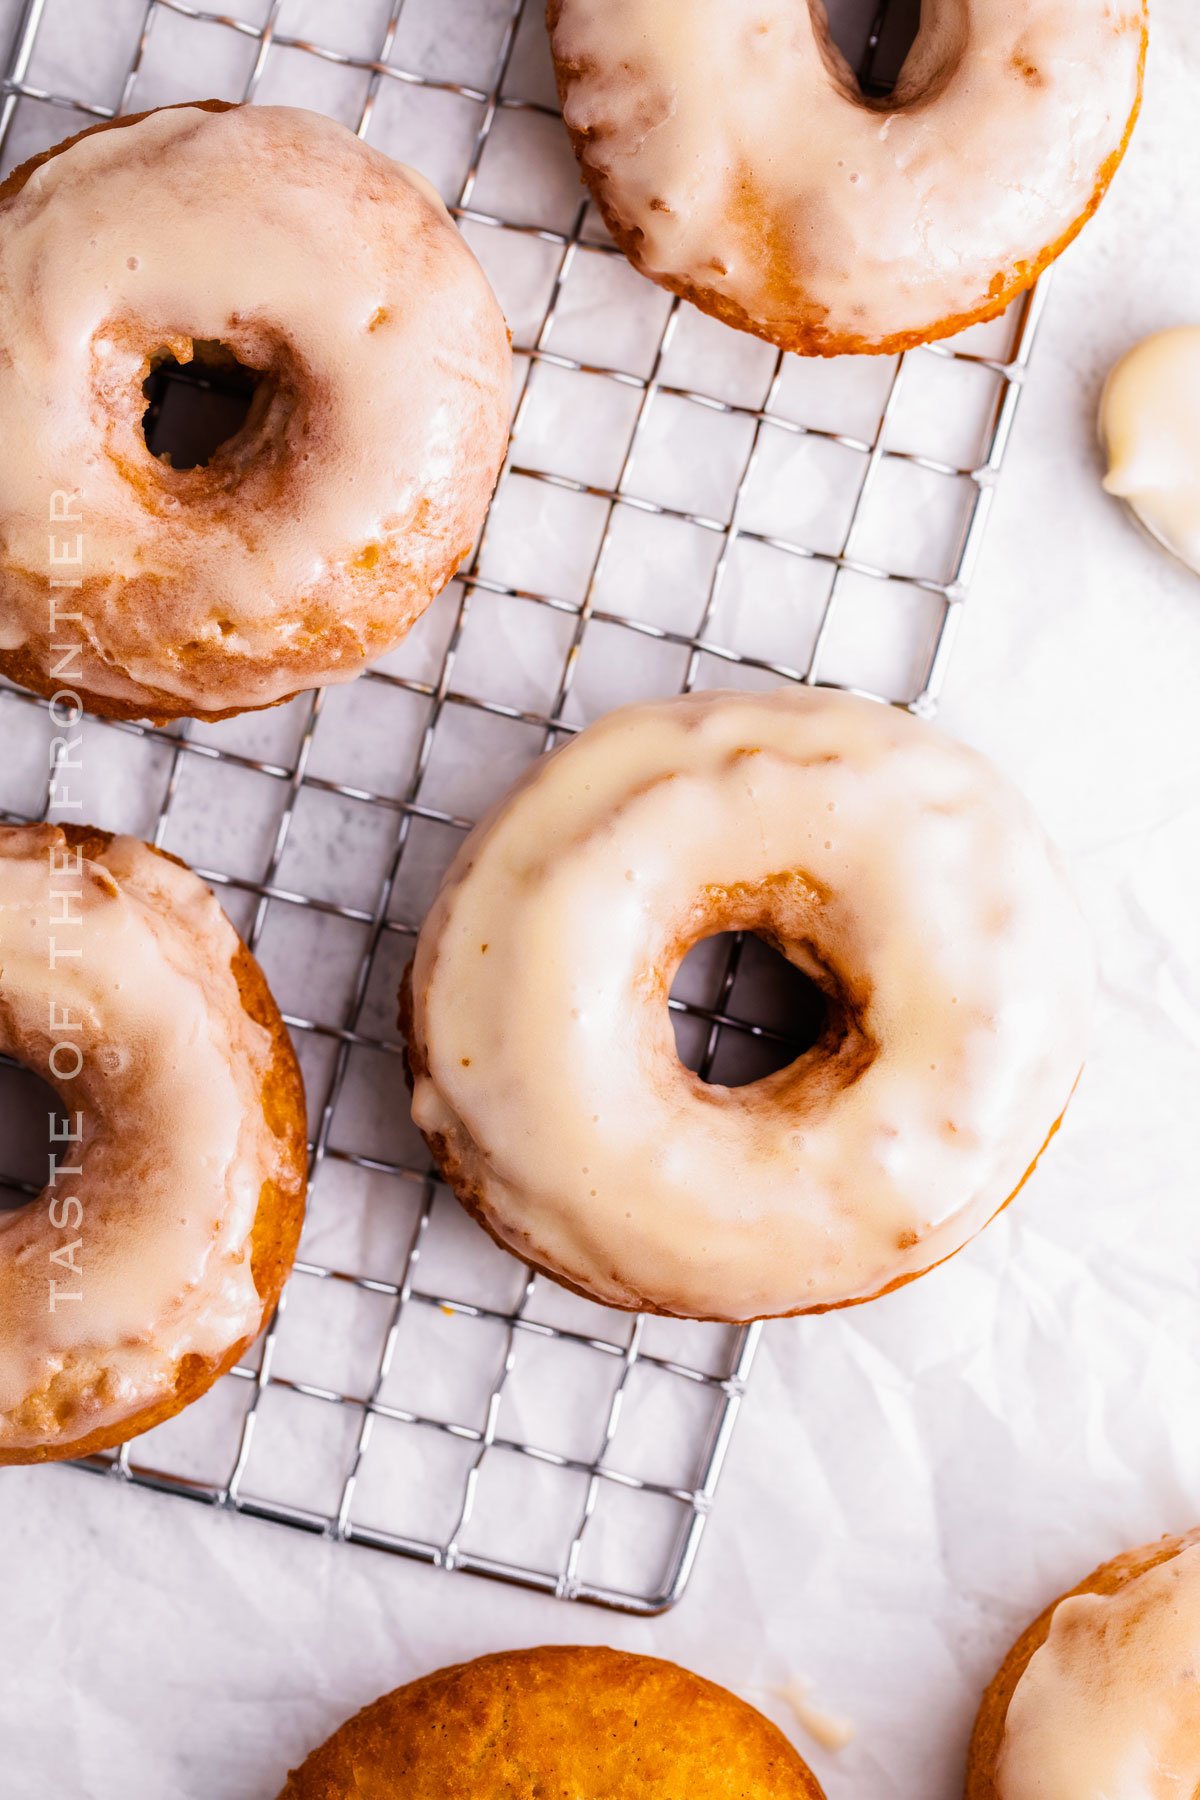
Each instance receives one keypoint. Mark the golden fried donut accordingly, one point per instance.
(318, 533)
(1100, 1698)
(737, 163)
(562, 1723)
(895, 867)
(158, 1249)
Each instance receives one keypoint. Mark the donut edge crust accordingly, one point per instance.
(987, 1737)
(810, 337)
(467, 1192)
(277, 1223)
(440, 1718)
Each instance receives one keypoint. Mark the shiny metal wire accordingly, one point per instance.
(627, 1348)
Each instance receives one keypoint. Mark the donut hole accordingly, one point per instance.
(27, 1106)
(875, 37)
(195, 407)
(741, 1011)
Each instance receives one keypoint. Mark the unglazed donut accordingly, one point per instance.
(1100, 1698)
(737, 163)
(577, 1723)
(895, 867)
(169, 1225)
(320, 531)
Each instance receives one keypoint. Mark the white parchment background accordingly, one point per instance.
(911, 1482)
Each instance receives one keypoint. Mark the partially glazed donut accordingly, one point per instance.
(1100, 1698)
(559, 1722)
(895, 867)
(314, 537)
(170, 1220)
(737, 163)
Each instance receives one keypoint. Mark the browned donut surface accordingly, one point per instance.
(559, 1723)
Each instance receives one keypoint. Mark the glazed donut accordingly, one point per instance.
(557, 1721)
(737, 163)
(1150, 431)
(1100, 1698)
(159, 1247)
(318, 533)
(893, 866)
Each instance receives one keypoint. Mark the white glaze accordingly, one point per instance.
(1108, 1708)
(260, 227)
(552, 1073)
(823, 1728)
(880, 217)
(175, 1150)
(1150, 429)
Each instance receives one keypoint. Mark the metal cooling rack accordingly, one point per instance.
(761, 520)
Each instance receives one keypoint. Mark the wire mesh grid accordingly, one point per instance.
(680, 508)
